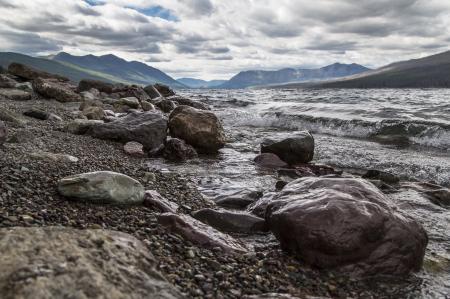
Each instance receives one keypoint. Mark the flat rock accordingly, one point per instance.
(29, 73)
(54, 89)
(154, 200)
(292, 150)
(177, 150)
(269, 160)
(102, 187)
(15, 94)
(134, 148)
(52, 157)
(199, 233)
(238, 199)
(56, 262)
(37, 113)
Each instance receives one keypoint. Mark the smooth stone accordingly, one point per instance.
(147, 106)
(134, 148)
(269, 160)
(15, 94)
(102, 187)
(53, 89)
(63, 158)
(6, 81)
(177, 150)
(131, 102)
(259, 207)
(153, 199)
(293, 150)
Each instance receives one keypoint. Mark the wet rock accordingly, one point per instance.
(80, 126)
(87, 84)
(238, 199)
(293, 150)
(3, 133)
(37, 113)
(165, 105)
(154, 200)
(188, 102)
(131, 102)
(15, 94)
(134, 148)
(152, 92)
(147, 128)
(386, 177)
(307, 170)
(177, 150)
(29, 73)
(51, 157)
(94, 113)
(54, 89)
(279, 185)
(199, 128)
(346, 223)
(146, 106)
(102, 187)
(56, 262)
(11, 117)
(269, 160)
(7, 82)
(259, 206)
(228, 221)
(199, 233)
(398, 140)
(440, 196)
(164, 90)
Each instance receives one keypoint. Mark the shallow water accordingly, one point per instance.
(405, 132)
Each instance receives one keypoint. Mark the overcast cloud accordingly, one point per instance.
(214, 39)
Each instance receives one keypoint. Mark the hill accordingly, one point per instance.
(198, 83)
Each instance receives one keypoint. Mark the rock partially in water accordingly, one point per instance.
(15, 94)
(269, 160)
(102, 187)
(199, 128)
(52, 157)
(134, 148)
(383, 176)
(56, 262)
(188, 102)
(346, 223)
(294, 150)
(238, 199)
(29, 73)
(37, 113)
(199, 233)
(55, 89)
(440, 196)
(164, 90)
(154, 200)
(3, 133)
(147, 128)
(307, 170)
(279, 296)
(177, 150)
(228, 221)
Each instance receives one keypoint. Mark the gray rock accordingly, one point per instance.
(52, 157)
(147, 128)
(259, 206)
(165, 105)
(102, 187)
(15, 94)
(238, 199)
(29, 73)
(22, 136)
(81, 126)
(386, 177)
(53, 89)
(154, 200)
(293, 150)
(56, 262)
(25, 86)
(3, 133)
(11, 117)
(269, 160)
(87, 84)
(7, 82)
(131, 102)
(146, 106)
(177, 150)
(37, 113)
(90, 103)
(188, 102)
(152, 92)
(134, 148)
(164, 90)
(94, 113)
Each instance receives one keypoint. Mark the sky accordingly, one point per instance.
(215, 39)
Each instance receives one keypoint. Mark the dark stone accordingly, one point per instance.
(152, 92)
(132, 91)
(386, 177)
(259, 206)
(238, 199)
(177, 150)
(87, 84)
(153, 199)
(37, 113)
(269, 160)
(188, 102)
(164, 90)
(307, 170)
(293, 150)
(280, 185)
(165, 105)
(29, 73)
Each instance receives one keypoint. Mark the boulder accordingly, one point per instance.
(3, 133)
(87, 84)
(11, 117)
(15, 94)
(37, 113)
(293, 150)
(29, 73)
(51, 157)
(177, 150)
(54, 89)
(95, 113)
(165, 105)
(238, 199)
(346, 223)
(164, 90)
(147, 128)
(57, 262)
(127, 91)
(102, 187)
(188, 102)
(153, 199)
(199, 233)
(228, 221)
(7, 82)
(199, 128)
(81, 126)
(90, 103)
(147, 106)
(152, 92)
(131, 102)
(269, 160)
(134, 148)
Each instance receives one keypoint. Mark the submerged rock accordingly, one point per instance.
(15, 94)
(3, 133)
(346, 223)
(199, 233)
(199, 128)
(29, 73)
(102, 187)
(238, 199)
(293, 150)
(177, 150)
(56, 262)
(269, 160)
(386, 177)
(54, 89)
(154, 200)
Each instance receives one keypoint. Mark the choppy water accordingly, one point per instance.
(405, 132)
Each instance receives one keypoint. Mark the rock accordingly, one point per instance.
(440, 196)
(238, 199)
(11, 117)
(165, 105)
(22, 136)
(134, 148)
(293, 150)
(228, 221)
(95, 113)
(306, 170)
(346, 223)
(152, 92)
(199, 128)
(3, 133)
(146, 106)
(37, 113)
(199, 233)
(154, 200)
(131, 102)
(177, 150)
(57, 262)
(29, 73)
(131, 91)
(54, 157)
(90, 103)
(15, 94)
(102, 187)
(25, 86)
(386, 177)
(269, 160)
(81, 126)
(87, 84)
(164, 90)
(7, 82)
(259, 206)
(188, 102)
(147, 128)
(54, 89)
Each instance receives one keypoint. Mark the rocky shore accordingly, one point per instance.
(76, 181)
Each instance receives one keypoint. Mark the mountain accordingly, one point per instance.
(128, 71)
(287, 75)
(428, 72)
(197, 83)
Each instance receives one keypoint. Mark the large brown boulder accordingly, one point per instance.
(87, 84)
(3, 133)
(56, 262)
(199, 128)
(293, 150)
(55, 89)
(29, 73)
(147, 128)
(346, 223)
